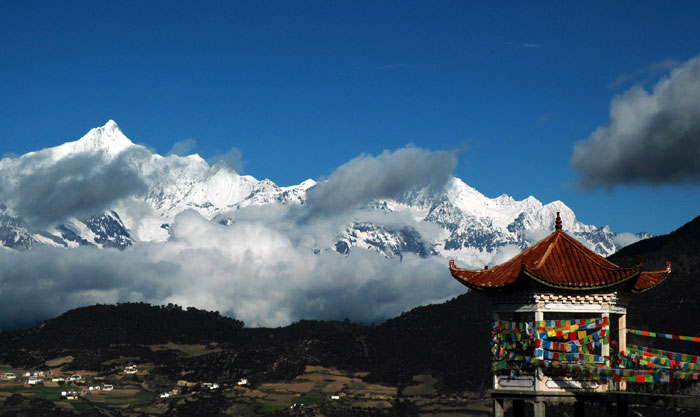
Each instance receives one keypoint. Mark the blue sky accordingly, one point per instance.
(302, 87)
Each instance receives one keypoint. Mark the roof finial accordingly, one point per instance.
(557, 223)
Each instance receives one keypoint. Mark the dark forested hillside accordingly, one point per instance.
(111, 330)
(673, 305)
(438, 339)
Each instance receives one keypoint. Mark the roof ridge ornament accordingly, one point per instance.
(557, 223)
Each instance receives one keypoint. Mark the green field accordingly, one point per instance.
(81, 406)
(38, 391)
(270, 408)
(311, 400)
(105, 399)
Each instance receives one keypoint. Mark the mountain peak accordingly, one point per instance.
(109, 139)
(111, 125)
(306, 184)
(110, 130)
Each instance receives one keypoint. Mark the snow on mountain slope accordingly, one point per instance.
(108, 139)
(471, 227)
(475, 227)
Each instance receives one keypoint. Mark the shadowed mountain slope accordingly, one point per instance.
(672, 307)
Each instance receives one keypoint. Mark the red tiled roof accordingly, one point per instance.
(650, 279)
(559, 261)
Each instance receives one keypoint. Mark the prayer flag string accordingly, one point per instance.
(565, 346)
(664, 335)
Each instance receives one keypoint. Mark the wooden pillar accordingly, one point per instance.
(622, 332)
(622, 341)
(605, 349)
(579, 409)
(518, 408)
(539, 371)
(495, 317)
(538, 409)
(498, 409)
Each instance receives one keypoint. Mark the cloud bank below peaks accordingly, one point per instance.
(651, 138)
(251, 270)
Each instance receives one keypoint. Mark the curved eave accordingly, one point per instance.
(635, 272)
(480, 287)
(639, 291)
(464, 275)
(663, 273)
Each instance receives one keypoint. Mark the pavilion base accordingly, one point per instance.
(611, 403)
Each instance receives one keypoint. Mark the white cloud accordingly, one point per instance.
(535, 235)
(625, 239)
(249, 270)
(504, 253)
(388, 175)
(645, 74)
(233, 158)
(183, 147)
(267, 268)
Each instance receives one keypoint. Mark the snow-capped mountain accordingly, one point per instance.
(465, 224)
(105, 230)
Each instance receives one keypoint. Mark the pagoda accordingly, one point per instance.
(556, 306)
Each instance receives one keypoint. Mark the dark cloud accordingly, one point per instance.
(45, 282)
(233, 158)
(651, 138)
(388, 175)
(47, 193)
